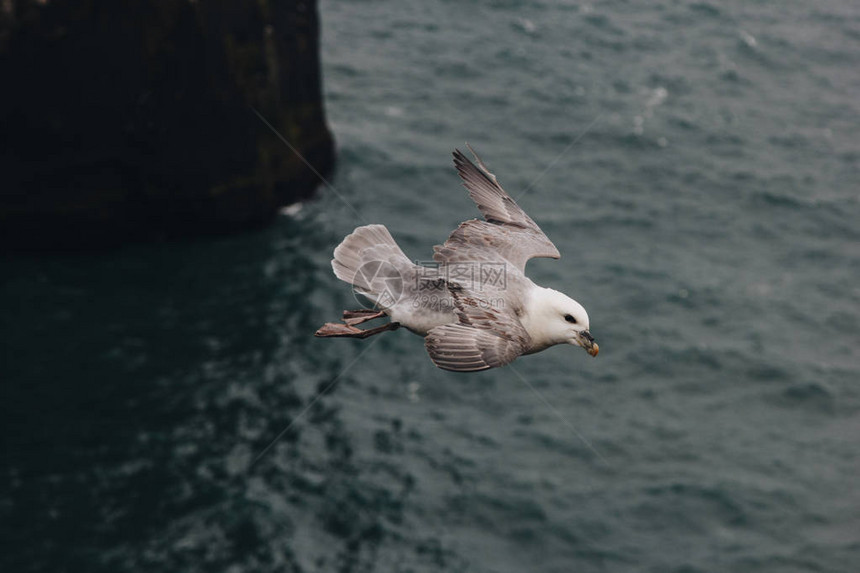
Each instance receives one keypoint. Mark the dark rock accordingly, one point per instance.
(136, 119)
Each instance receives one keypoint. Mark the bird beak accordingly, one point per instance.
(587, 342)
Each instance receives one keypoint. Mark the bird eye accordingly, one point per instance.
(570, 319)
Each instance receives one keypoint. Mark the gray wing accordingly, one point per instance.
(477, 241)
(485, 337)
(507, 231)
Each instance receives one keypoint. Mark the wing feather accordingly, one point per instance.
(508, 233)
(464, 348)
(485, 337)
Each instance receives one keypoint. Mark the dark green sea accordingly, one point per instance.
(698, 166)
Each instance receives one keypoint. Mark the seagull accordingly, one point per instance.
(474, 306)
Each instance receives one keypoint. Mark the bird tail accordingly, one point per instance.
(370, 260)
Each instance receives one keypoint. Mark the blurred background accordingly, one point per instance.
(695, 162)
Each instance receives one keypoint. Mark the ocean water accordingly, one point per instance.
(165, 407)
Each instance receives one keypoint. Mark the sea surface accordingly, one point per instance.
(165, 406)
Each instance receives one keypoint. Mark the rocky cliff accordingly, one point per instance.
(136, 119)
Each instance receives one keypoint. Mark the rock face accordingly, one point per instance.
(136, 119)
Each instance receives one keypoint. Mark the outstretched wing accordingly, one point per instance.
(507, 230)
(485, 337)
(478, 242)
(484, 189)
(508, 233)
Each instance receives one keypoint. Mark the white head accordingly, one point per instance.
(554, 318)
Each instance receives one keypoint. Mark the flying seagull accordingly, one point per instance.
(474, 306)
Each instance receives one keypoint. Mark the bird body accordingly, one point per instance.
(474, 305)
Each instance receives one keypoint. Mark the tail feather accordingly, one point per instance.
(360, 256)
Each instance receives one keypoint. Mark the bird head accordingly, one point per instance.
(561, 320)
